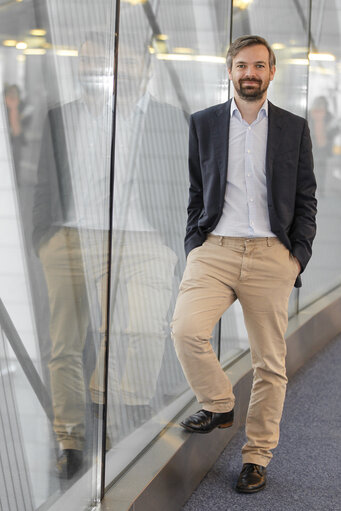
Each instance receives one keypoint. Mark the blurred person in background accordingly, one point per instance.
(18, 118)
(324, 128)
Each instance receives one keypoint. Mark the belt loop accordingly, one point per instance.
(268, 242)
(221, 240)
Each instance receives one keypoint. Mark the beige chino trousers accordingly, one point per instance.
(260, 273)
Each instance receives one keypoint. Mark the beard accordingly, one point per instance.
(251, 93)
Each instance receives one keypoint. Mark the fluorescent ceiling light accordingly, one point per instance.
(210, 58)
(322, 71)
(34, 51)
(21, 45)
(38, 32)
(181, 49)
(134, 2)
(9, 42)
(242, 4)
(67, 53)
(278, 46)
(298, 62)
(173, 56)
(327, 57)
(194, 58)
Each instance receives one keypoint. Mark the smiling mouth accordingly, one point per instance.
(250, 82)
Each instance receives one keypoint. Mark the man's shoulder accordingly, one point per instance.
(285, 114)
(206, 113)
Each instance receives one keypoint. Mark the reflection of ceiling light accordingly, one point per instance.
(322, 56)
(135, 2)
(21, 58)
(9, 42)
(298, 49)
(21, 45)
(38, 32)
(196, 58)
(242, 4)
(173, 56)
(162, 37)
(278, 46)
(180, 49)
(67, 53)
(34, 51)
(298, 62)
(210, 58)
(321, 70)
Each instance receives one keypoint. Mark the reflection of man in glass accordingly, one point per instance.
(70, 235)
(70, 232)
(250, 228)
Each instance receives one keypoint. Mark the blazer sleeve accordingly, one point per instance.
(303, 229)
(194, 237)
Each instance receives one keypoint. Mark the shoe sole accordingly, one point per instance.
(193, 430)
(251, 490)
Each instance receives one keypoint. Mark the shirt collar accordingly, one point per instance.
(262, 112)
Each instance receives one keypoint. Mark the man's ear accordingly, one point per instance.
(272, 72)
(229, 73)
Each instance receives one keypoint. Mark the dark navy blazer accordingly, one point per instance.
(290, 178)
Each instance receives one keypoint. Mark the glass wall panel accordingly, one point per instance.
(56, 71)
(56, 126)
(324, 270)
(170, 63)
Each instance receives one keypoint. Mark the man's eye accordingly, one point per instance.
(260, 65)
(240, 65)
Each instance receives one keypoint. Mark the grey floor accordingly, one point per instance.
(305, 471)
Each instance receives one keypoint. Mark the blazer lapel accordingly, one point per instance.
(220, 124)
(274, 138)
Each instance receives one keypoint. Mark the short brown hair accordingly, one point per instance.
(243, 42)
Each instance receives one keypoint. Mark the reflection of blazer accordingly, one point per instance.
(289, 174)
(160, 173)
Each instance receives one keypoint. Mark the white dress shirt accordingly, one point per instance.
(245, 212)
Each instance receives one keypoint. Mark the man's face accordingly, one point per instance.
(251, 72)
(93, 70)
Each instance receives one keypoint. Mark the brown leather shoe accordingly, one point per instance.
(251, 479)
(205, 422)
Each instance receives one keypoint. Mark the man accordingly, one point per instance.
(251, 223)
